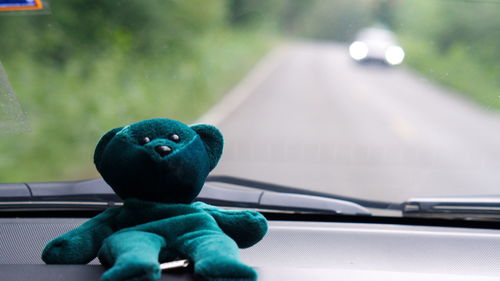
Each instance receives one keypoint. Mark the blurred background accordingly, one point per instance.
(88, 66)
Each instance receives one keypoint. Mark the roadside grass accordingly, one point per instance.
(456, 69)
(70, 107)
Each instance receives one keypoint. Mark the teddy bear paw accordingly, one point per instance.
(225, 270)
(65, 250)
(134, 271)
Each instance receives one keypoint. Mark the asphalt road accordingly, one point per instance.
(309, 117)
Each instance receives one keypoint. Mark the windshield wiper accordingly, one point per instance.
(286, 189)
(458, 207)
(92, 194)
(97, 195)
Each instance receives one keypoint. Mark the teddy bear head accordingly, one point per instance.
(159, 160)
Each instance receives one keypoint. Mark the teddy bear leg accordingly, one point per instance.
(132, 255)
(216, 257)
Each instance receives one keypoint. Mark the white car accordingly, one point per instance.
(376, 44)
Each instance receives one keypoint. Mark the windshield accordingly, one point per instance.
(372, 99)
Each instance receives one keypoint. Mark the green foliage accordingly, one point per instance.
(76, 81)
(243, 12)
(293, 14)
(383, 12)
(337, 20)
(455, 43)
(136, 27)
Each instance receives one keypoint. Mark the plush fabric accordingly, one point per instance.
(158, 221)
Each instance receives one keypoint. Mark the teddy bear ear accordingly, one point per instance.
(103, 142)
(214, 142)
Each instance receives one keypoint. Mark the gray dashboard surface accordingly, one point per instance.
(297, 251)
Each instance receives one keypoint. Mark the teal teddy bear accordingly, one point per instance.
(158, 167)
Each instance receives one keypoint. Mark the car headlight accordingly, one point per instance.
(358, 50)
(394, 55)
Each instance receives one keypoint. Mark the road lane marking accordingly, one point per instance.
(403, 129)
(237, 95)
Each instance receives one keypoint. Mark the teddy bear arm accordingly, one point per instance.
(80, 245)
(245, 227)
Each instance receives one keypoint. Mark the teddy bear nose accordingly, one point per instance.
(163, 150)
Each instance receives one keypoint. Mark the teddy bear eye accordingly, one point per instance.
(174, 137)
(144, 140)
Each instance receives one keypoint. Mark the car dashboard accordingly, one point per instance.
(293, 250)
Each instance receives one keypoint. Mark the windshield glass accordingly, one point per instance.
(373, 99)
